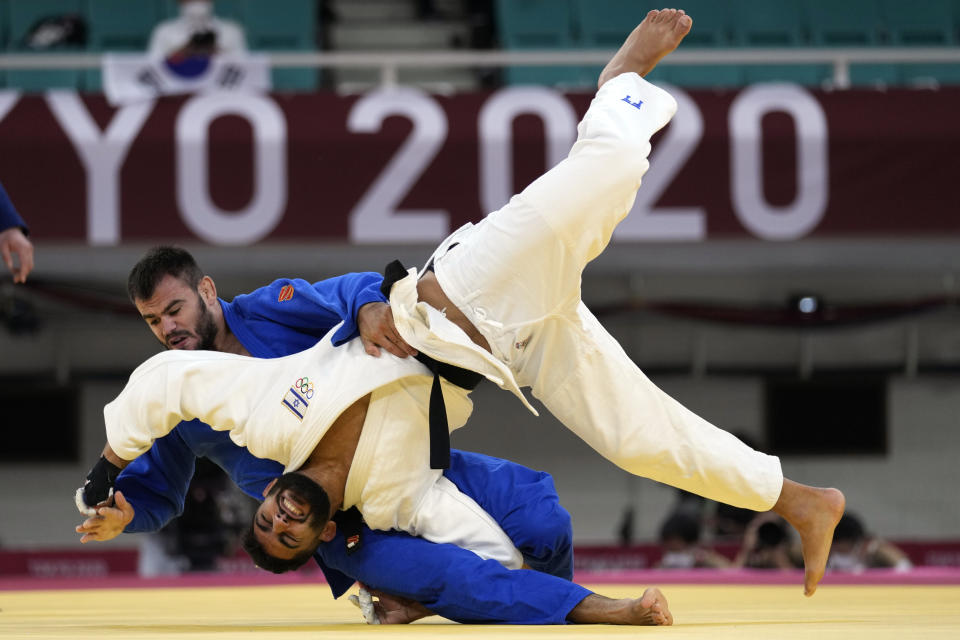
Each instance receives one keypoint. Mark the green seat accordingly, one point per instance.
(560, 76)
(282, 25)
(230, 9)
(533, 25)
(858, 24)
(121, 25)
(704, 76)
(118, 25)
(605, 24)
(658, 75)
(921, 23)
(927, 74)
(590, 74)
(764, 23)
(21, 17)
(811, 75)
(875, 75)
(711, 23)
(956, 19)
(4, 36)
(43, 79)
(601, 24)
(93, 81)
(166, 9)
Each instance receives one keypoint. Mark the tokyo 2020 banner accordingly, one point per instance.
(772, 162)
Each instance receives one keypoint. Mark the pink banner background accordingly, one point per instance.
(892, 165)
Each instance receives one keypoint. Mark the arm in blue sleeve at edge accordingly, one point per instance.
(8, 214)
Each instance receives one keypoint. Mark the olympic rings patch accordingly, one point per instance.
(304, 386)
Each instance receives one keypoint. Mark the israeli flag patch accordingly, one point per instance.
(295, 403)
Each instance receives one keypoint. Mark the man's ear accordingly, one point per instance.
(268, 487)
(208, 290)
(329, 531)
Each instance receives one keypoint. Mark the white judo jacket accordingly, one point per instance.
(280, 408)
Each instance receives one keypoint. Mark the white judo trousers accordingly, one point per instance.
(516, 276)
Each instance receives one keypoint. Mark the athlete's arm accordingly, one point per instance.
(377, 330)
(13, 239)
(155, 485)
(290, 315)
(154, 488)
(109, 522)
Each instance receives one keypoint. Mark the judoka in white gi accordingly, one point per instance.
(504, 301)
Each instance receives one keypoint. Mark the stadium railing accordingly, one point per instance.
(840, 59)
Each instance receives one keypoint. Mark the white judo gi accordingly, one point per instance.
(280, 408)
(516, 277)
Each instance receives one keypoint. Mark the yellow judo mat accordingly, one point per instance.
(289, 612)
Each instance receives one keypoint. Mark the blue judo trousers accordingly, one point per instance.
(8, 214)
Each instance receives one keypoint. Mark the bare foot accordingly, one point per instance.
(659, 34)
(814, 513)
(650, 609)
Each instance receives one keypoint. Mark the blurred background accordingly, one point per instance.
(789, 270)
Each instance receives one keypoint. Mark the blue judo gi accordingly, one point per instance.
(289, 316)
(8, 214)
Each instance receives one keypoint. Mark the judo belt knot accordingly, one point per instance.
(439, 428)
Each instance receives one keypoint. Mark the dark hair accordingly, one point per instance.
(849, 528)
(681, 525)
(771, 534)
(266, 561)
(155, 265)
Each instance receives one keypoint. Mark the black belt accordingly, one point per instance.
(463, 378)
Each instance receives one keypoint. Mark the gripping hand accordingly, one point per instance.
(98, 487)
(364, 602)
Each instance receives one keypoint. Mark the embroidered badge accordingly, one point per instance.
(297, 398)
(285, 293)
(633, 104)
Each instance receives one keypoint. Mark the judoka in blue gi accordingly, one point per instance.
(181, 307)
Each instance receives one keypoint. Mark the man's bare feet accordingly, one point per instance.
(650, 609)
(814, 513)
(659, 34)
